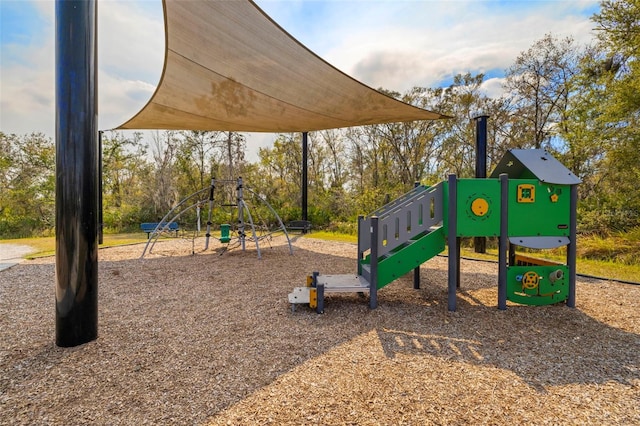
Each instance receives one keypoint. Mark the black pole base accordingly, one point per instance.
(77, 328)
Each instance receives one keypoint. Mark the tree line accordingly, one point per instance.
(582, 103)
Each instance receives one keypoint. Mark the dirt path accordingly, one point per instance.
(12, 254)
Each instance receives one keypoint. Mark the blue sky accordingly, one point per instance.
(395, 44)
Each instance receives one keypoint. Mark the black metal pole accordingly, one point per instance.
(373, 282)
(572, 248)
(100, 203)
(481, 146)
(305, 155)
(480, 243)
(76, 172)
(360, 257)
(416, 270)
(453, 243)
(503, 242)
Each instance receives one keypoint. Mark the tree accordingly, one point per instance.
(235, 145)
(370, 164)
(414, 144)
(463, 100)
(27, 200)
(613, 77)
(538, 85)
(164, 193)
(125, 172)
(196, 159)
(583, 131)
(328, 176)
(281, 174)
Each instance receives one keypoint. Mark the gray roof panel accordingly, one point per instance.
(522, 163)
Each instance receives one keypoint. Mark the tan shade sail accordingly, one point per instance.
(228, 66)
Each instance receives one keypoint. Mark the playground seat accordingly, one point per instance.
(149, 227)
(303, 226)
(224, 233)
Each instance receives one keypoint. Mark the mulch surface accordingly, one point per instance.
(209, 338)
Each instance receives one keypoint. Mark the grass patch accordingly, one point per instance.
(585, 266)
(616, 257)
(618, 248)
(333, 236)
(41, 245)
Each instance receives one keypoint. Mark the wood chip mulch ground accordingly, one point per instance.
(210, 339)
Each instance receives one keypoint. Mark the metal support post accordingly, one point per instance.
(212, 189)
(359, 266)
(305, 180)
(240, 203)
(452, 242)
(504, 241)
(77, 181)
(572, 247)
(416, 271)
(373, 290)
(320, 298)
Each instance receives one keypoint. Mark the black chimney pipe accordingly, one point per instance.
(480, 243)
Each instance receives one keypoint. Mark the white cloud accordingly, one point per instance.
(27, 83)
(131, 39)
(492, 87)
(424, 43)
(120, 99)
(131, 54)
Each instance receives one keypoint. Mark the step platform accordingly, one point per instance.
(318, 285)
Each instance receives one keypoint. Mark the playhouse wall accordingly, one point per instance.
(544, 213)
(470, 224)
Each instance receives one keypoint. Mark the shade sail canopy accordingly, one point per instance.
(228, 66)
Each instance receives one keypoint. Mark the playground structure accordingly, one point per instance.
(528, 201)
(232, 235)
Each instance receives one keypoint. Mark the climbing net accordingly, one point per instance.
(242, 228)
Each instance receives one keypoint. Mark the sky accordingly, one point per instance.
(394, 44)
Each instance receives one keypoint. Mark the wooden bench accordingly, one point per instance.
(303, 226)
(149, 227)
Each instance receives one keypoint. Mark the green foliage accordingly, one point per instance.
(345, 228)
(618, 247)
(28, 185)
(455, 147)
(610, 83)
(319, 217)
(125, 174)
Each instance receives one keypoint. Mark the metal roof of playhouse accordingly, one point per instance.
(534, 163)
(228, 66)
